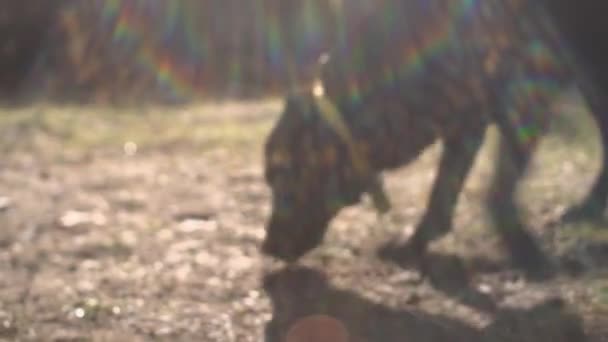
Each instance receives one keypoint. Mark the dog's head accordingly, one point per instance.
(312, 176)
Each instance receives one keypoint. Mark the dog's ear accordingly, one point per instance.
(299, 108)
(297, 114)
(284, 144)
(289, 120)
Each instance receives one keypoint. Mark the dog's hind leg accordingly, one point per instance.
(593, 205)
(521, 245)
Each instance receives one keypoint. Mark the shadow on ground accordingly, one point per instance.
(297, 293)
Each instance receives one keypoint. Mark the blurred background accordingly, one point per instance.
(106, 51)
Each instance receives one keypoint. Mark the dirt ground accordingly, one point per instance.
(144, 225)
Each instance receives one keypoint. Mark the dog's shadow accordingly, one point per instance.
(298, 292)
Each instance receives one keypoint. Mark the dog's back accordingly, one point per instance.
(437, 68)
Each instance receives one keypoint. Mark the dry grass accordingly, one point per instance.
(105, 242)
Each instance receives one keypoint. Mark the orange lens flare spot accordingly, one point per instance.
(318, 328)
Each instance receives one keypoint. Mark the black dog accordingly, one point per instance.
(432, 70)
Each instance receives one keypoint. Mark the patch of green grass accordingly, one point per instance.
(604, 294)
(82, 128)
(587, 231)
